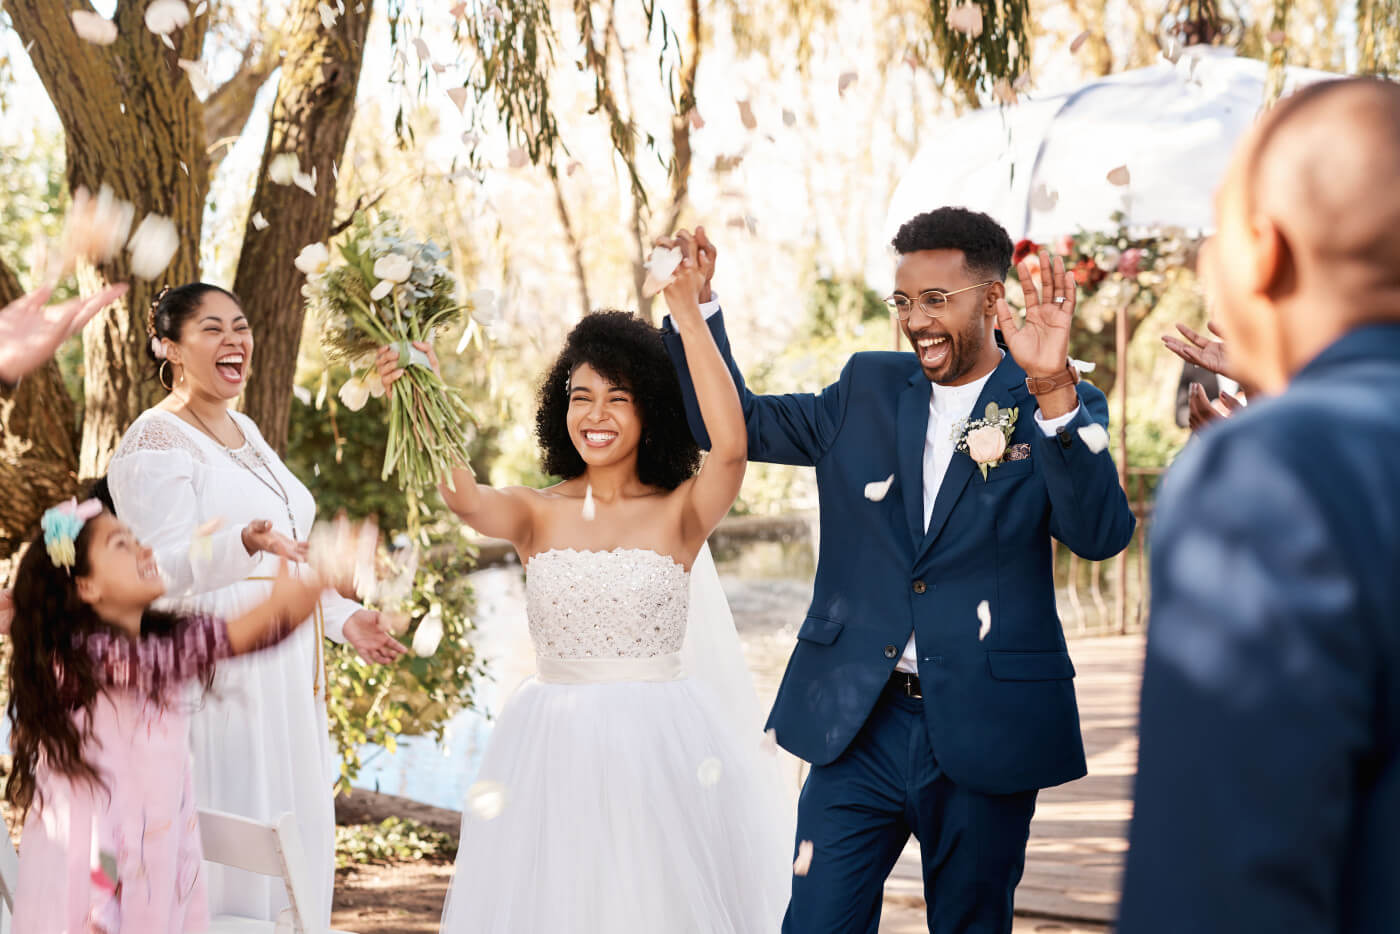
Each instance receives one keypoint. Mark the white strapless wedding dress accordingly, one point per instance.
(615, 794)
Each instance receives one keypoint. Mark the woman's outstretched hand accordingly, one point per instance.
(259, 535)
(389, 362)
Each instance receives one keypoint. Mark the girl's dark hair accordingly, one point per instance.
(53, 682)
(627, 350)
(173, 307)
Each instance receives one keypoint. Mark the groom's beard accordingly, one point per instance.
(965, 348)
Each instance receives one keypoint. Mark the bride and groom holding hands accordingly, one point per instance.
(930, 687)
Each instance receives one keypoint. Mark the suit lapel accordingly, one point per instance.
(911, 428)
(1007, 388)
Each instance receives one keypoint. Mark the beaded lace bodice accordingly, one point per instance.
(624, 603)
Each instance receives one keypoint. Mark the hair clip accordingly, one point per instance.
(62, 524)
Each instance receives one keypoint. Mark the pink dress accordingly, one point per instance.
(143, 825)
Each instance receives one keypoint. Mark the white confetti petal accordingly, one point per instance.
(1079, 41)
(199, 78)
(487, 799)
(517, 157)
(1004, 92)
(1043, 199)
(168, 42)
(260, 222)
(697, 122)
(789, 118)
(166, 16)
(803, 864)
(845, 81)
(1095, 437)
(93, 28)
(302, 394)
(1082, 366)
(984, 616)
(199, 10)
(573, 167)
(746, 115)
(661, 268)
(283, 168)
(184, 168)
(966, 18)
(305, 182)
(328, 15)
(1119, 176)
(710, 772)
(876, 489)
(459, 97)
(153, 246)
(422, 48)
(589, 509)
(428, 636)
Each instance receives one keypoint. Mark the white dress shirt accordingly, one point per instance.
(947, 405)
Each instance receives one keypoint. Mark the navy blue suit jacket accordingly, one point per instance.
(1268, 790)
(1001, 710)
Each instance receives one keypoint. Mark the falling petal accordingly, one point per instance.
(984, 617)
(199, 10)
(1043, 199)
(1119, 176)
(168, 42)
(746, 115)
(1078, 42)
(661, 268)
(846, 80)
(517, 157)
(305, 182)
(199, 78)
(875, 490)
(1277, 37)
(259, 222)
(422, 48)
(459, 97)
(183, 168)
(328, 15)
(153, 246)
(1082, 366)
(966, 18)
(428, 636)
(573, 167)
(789, 118)
(93, 28)
(283, 168)
(458, 10)
(1095, 437)
(302, 394)
(710, 772)
(487, 799)
(1004, 92)
(803, 864)
(697, 122)
(166, 16)
(589, 509)
(470, 139)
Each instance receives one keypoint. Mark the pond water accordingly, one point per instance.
(769, 584)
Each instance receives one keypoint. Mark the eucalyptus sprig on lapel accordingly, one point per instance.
(985, 439)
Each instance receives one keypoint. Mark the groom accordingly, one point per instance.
(930, 688)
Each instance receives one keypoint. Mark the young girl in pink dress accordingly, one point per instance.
(100, 736)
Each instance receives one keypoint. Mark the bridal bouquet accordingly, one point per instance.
(388, 289)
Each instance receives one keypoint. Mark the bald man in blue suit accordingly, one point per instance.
(1268, 790)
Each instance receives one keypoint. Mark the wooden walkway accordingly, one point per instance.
(1074, 863)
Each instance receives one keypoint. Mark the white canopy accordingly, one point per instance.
(1041, 167)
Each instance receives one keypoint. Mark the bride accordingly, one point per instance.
(620, 792)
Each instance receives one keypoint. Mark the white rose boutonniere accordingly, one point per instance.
(985, 439)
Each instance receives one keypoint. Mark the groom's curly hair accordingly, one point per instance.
(627, 350)
(985, 244)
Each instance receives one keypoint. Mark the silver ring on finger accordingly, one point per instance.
(1060, 299)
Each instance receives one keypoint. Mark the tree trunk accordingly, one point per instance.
(131, 121)
(680, 124)
(38, 446)
(575, 247)
(311, 117)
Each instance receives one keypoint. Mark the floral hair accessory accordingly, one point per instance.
(62, 524)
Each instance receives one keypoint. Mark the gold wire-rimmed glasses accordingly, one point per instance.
(932, 302)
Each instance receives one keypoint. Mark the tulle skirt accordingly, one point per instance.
(621, 807)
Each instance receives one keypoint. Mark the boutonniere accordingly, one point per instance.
(985, 439)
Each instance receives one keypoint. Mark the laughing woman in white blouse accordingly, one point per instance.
(260, 741)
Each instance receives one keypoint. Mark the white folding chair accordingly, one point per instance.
(9, 879)
(266, 849)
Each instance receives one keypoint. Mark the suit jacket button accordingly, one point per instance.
(891, 651)
(920, 587)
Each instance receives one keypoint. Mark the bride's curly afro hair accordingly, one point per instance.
(627, 350)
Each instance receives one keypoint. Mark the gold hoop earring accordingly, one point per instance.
(160, 376)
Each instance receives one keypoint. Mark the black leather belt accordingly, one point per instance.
(903, 682)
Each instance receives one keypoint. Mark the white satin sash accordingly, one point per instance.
(605, 670)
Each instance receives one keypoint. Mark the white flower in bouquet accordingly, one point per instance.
(313, 259)
(360, 389)
(393, 268)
